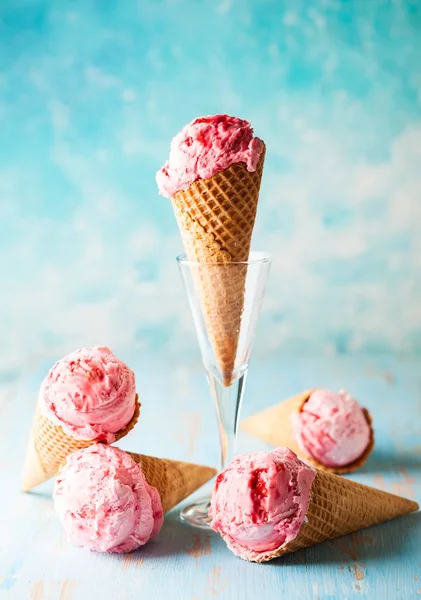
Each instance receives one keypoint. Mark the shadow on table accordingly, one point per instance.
(40, 495)
(362, 547)
(177, 538)
(381, 460)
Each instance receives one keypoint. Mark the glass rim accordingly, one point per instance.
(255, 257)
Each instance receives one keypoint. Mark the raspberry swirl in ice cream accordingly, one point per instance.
(332, 428)
(90, 393)
(206, 146)
(104, 502)
(260, 501)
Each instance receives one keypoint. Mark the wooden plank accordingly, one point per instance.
(382, 562)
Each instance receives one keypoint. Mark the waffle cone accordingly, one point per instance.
(339, 506)
(49, 446)
(216, 219)
(274, 426)
(173, 479)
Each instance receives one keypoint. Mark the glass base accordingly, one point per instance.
(197, 514)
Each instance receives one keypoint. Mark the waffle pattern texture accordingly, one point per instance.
(274, 426)
(216, 218)
(49, 446)
(173, 479)
(339, 506)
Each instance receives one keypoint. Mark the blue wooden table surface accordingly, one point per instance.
(177, 420)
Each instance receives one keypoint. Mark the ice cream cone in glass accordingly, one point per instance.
(225, 300)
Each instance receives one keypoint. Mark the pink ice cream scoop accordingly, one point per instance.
(90, 393)
(104, 502)
(332, 428)
(260, 501)
(206, 146)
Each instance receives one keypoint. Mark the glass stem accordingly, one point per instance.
(228, 401)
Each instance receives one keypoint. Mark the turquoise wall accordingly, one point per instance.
(91, 92)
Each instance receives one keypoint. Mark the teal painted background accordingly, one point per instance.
(91, 92)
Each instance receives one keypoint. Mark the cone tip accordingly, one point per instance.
(209, 472)
(33, 474)
(25, 486)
